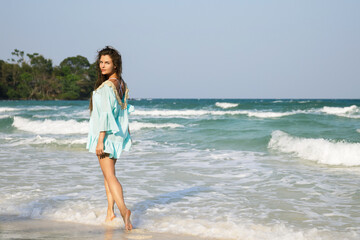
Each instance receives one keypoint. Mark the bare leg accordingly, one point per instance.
(108, 168)
(110, 211)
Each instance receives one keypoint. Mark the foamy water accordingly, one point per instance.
(263, 169)
(319, 150)
(201, 113)
(351, 112)
(226, 105)
(51, 127)
(135, 126)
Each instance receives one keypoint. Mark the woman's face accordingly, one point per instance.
(106, 65)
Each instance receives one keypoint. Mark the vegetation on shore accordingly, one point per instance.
(34, 77)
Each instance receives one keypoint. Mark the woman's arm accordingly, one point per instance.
(100, 145)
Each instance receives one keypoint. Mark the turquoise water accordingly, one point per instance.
(261, 169)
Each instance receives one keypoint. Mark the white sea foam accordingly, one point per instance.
(40, 140)
(4, 116)
(270, 114)
(358, 130)
(86, 213)
(226, 105)
(232, 230)
(74, 141)
(169, 113)
(7, 109)
(197, 113)
(135, 126)
(350, 112)
(41, 108)
(82, 114)
(78, 114)
(318, 150)
(51, 126)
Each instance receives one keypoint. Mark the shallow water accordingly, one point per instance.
(261, 169)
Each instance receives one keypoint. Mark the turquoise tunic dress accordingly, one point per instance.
(110, 114)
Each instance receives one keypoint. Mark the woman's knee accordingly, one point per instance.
(110, 178)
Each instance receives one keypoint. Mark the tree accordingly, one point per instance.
(76, 65)
(36, 78)
(19, 54)
(42, 71)
(74, 72)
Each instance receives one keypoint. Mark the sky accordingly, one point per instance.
(198, 48)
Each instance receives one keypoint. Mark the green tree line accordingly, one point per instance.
(34, 77)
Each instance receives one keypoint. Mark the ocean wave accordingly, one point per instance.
(40, 140)
(270, 114)
(350, 112)
(78, 114)
(197, 113)
(51, 126)
(358, 130)
(226, 105)
(318, 150)
(169, 113)
(4, 116)
(73, 127)
(43, 108)
(74, 141)
(208, 229)
(36, 140)
(135, 126)
(7, 109)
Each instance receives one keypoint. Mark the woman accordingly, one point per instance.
(109, 127)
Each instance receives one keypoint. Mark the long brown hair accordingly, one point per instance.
(116, 58)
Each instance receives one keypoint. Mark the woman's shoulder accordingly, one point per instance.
(105, 86)
(110, 87)
(107, 83)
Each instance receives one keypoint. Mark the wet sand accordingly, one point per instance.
(25, 228)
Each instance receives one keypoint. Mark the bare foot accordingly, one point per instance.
(128, 225)
(110, 216)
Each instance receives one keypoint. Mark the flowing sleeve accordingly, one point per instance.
(130, 108)
(107, 120)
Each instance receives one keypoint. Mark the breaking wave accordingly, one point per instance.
(317, 149)
(51, 126)
(226, 105)
(350, 112)
(7, 109)
(197, 113)
(135, 126)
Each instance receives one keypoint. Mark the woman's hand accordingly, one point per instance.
(100, 145)
(100, 149)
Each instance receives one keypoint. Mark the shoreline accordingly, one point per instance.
(12, 227)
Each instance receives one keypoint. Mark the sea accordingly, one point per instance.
(211, 168)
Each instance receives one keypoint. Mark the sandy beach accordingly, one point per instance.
(26, 228)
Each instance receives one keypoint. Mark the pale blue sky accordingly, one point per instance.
(201, 49)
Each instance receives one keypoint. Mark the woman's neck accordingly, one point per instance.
(114, 75)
